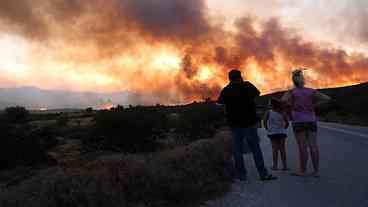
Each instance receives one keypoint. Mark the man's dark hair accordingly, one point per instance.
(235, 75)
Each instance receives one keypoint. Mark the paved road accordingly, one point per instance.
(343, 181)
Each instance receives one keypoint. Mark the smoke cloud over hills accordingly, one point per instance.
(173, 50)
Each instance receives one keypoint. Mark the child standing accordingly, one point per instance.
(276, 123)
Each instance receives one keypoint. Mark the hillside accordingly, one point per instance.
(347, 105)
(351, 98)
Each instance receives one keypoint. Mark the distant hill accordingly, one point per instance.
(349, 104)
(353, 99)
(34, 98)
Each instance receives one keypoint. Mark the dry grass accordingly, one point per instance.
(171, 178)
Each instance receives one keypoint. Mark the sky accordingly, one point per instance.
(338, 22)
(180, 50)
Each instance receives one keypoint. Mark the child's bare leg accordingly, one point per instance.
(283, 154)
(275, 154)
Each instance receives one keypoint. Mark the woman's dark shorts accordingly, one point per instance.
(305, 126)
(277, 136)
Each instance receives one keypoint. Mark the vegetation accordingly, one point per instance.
(170, 178)
(89, 110)
(134, 130)
(42, 140)
(62, 120)
(27, 138)
(149, 169)
(198, 121)
(140, 129)
(16, 114)
(20, 145)
(131, 156)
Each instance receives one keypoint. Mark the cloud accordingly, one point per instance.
(170, 49)
(22, 17)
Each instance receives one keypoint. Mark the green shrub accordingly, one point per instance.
(170, 178)
(131, 130)
(19, 145)
(62, 120)
(17, 114)
(137, 129)
(46, 135)
(89, 110)
(43, 116)
(198, 121)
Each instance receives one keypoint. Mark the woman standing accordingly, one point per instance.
(304, 121)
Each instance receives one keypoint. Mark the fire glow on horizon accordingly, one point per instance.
(176, 55)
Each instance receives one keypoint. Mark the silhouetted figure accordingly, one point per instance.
(238, 97)
(303, 101)
(276, 124)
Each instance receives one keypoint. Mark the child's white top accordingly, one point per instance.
(275, 123)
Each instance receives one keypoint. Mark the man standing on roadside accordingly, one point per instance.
(238, 97)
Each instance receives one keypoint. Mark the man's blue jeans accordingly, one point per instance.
(250, 135)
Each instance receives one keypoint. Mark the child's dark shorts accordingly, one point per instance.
(277, 136)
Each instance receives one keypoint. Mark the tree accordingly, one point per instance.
(17, 114)
(118, 108)
(63, 120)
(89, 110)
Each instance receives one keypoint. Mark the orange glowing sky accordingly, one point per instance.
(96, 49)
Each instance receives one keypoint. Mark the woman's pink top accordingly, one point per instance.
(302, 105)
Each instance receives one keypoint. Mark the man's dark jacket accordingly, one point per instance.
(238, 99)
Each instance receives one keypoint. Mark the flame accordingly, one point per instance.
(204, 74)
(166, 61)
(105, 106)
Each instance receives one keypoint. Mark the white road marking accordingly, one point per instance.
(345, 131)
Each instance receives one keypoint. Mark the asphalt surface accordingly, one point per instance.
(343, 181)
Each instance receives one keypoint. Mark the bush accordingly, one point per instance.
(131, 130)
(47, 136)
(118, 108)
(43, 117)
(170, 178)
(89, 110)
(199, 121)
(19, 145)
(62, 120)
(17, 114)
(138, 129)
